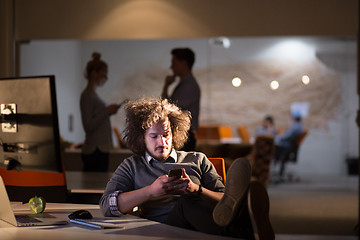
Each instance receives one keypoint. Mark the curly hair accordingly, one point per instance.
(143, 113)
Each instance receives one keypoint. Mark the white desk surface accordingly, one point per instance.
(135, 227)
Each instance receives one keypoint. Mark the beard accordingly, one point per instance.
(160, 156)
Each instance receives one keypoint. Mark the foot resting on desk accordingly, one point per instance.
(244, 202)
(237, 184)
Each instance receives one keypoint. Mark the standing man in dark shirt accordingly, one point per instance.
(186, 94)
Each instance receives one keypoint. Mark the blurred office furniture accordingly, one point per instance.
(219, 164)
(225, 132)
(226, 150)
(261, 159)
(208, 132)
(23, 185)
(73, 162)
(87, 187)
(244, 134)
(218, 140)
(290, 155)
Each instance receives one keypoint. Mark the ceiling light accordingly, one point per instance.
(236, 82)
(274, 85)
(305, 79)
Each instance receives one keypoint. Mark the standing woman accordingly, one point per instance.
(95, 116)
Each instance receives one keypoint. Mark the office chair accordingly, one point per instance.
(208, 132)
(244, 134)
(289, 155)
(23, 185)
(219, 164)
(225, 132)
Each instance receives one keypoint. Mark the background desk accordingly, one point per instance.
(86, 187)
(227, 150)
(212, 148)
(135, 228)
(73, 162)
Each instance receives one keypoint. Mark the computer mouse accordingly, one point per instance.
(80, 214)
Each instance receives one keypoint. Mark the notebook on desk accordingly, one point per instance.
(23, 220)
(99, 223)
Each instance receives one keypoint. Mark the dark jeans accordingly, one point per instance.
(98, 161)
(194, 213)
(281, 155)
(190, 145)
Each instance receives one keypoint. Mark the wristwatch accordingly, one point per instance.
(200, 189)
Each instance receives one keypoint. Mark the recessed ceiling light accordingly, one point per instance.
(236, 82)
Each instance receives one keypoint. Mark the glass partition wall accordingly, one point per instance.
(241, 80)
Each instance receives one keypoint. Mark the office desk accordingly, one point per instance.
(229, 150)
(87, 182)
(134, 227)
(73, 162)
(86, 187)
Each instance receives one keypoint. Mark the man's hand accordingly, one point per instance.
(181, 185)
(169, 80)
(160, 186)
(173, 185)
(113, 108)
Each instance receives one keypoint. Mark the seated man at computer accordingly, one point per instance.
(285, 142)
(197, 199)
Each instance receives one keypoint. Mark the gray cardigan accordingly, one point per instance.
(96, 123)
(135, 173)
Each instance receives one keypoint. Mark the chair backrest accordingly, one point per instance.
(225, 131)
(23, 185)
(208, 132)
(219, 164)
(244, 134)
(293, 152)
(301, 137)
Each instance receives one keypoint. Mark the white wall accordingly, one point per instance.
(138, 68)
(62, 59)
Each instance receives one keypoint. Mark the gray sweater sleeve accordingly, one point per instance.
(122, 181)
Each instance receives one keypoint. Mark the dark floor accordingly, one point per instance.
(315, 207)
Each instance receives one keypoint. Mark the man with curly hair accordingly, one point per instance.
(197, 199)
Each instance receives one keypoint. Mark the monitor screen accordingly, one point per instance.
(29, 131)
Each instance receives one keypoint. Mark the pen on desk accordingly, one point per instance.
(86, 223)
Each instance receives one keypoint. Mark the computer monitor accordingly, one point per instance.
(29, 131)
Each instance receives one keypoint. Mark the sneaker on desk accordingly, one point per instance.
(237, 185)
(258, 207)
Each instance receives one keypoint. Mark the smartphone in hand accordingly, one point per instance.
(177, 172)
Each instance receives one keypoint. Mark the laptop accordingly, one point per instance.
(23, 220)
